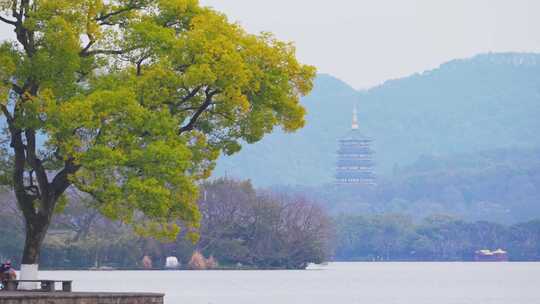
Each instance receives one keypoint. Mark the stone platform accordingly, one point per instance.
(21, 297)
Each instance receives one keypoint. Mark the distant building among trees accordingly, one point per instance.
(355, 163)
(486, 255)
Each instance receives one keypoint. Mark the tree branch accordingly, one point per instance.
(24, 35)
(126, 9)
(193, 120)
(14, 10)
(9, 118)
(86, 53)
(88, 46)
(34, 162)
(191, 94)
(8, 21)
(139, 63)
(24, 7)
(24, 200)
(61, 181)
(173, 106)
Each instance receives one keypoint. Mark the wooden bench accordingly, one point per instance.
(45, 285)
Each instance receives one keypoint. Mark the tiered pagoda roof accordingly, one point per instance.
(355, 163)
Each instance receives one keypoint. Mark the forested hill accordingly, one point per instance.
(490, 101)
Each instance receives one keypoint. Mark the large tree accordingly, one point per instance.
(132, 101)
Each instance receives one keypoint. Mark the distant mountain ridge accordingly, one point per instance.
(490, 101)
(516, 59)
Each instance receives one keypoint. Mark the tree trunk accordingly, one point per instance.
(36, 230)
(36, 225)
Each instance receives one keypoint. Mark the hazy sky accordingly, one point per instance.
(366, 42)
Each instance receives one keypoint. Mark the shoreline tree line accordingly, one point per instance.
(398, 237)
(245, 228)
(240, 228)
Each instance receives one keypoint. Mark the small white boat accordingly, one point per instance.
(172, 263)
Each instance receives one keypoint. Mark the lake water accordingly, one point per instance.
(336, 283)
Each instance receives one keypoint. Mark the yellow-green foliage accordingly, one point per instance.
(118, 83)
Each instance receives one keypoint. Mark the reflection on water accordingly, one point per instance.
(363, 283)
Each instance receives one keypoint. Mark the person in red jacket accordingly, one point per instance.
(7, 272)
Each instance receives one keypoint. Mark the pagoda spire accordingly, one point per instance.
(355, 119)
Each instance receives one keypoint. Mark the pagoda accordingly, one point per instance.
(355, 163)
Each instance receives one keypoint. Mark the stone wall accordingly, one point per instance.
(79, 298)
